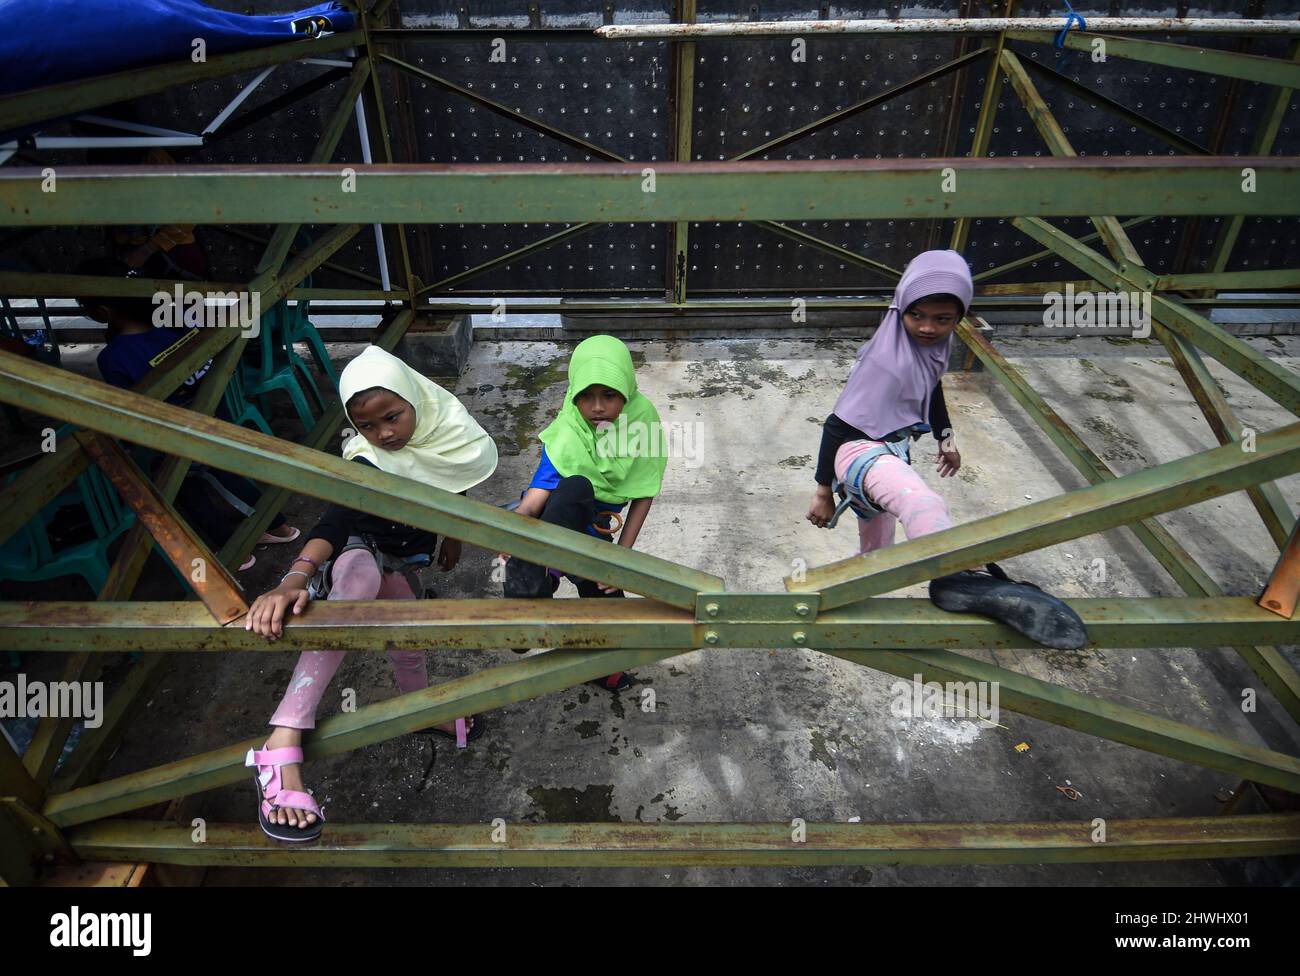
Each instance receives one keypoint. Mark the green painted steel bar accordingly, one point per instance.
(530, 845)
(987, 300)
(69, 98)
(36, 486)
(277, 249)
(93, 751)
(1261, 145)
(1167, 550)
(131, 560)
(984, 124)
(507, 258)
(843, 253)
(1266, 497)
(15, 779)
(893, 91)
(497, 108)
(178, 541)
(346, 295)
(36, 284)
(18, 850)
(457, 625)
(1266, 661)
(1002, 269)
(243, 235)
(990, 297)
(372, 104)
(1138, 120)
(51, 734)
(1175, 484)
(1269, 377)
(482, 691)
(1084, 713)
(683, 133)
(1226, 64)
(1026, 289)
(1040, 114)
(1230, 280)
(97, 745)
(173, 430)
(700, 191)
(272, 288)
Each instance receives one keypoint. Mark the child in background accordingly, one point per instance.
(588, 473)
(409, 426)
(892, 390)
(133, 347)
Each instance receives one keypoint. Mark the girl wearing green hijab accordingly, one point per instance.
(601, 453)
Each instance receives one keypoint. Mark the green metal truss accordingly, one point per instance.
(834, 609)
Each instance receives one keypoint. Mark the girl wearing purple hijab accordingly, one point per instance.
(892, 396)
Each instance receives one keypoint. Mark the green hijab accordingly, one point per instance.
(626, 460)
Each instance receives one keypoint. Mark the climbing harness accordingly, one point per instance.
(852, 490)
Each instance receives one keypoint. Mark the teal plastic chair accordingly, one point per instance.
(10, 328)
(280, 368)
(298, 328)
(240, 409)
(29, 556)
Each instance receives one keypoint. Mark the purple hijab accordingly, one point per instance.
(889, 385)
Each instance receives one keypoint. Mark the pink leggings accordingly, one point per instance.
(355, 576)
(891, 484)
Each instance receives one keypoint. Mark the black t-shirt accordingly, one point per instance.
(392, 537)
(836, 432)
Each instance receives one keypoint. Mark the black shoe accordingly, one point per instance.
(1021, 606)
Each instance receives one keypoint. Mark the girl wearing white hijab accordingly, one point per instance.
(406, 425)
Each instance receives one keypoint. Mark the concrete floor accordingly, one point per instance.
(763, 735)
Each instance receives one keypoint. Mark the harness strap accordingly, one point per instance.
(851, 492)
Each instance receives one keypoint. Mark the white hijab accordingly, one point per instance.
(448, 448)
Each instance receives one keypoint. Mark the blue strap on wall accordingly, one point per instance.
(1073, 20)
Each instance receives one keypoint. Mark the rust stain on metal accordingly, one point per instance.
(215, 587)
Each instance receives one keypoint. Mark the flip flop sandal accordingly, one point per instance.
(275, 540)
(462, 737)
(616, 682)
(1020, 605)
(266, 765)
(248, 563)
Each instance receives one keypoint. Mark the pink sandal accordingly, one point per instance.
(266, 764)
(275, 540)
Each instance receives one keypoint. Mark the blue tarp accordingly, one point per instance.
(43, 42)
